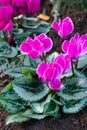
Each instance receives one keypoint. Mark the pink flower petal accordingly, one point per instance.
(55, 26)
(60, 60)
(55, 85)
(57, 71)
(5, 2)
(33, 6)
(47, 43)
(64, 31)
(9, 10)
(65, 45)
(68, 63)
(37, 45)
(25, 47)
(74, 50)
(77, 36)
(41, 68)
(41, 36)
(70, 24)
(84, 44)
(1, 25)
(9, 26)
(33, 54)
(73, 41)
(48, 74)
(29, 41)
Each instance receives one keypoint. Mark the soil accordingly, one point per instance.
(69, 122)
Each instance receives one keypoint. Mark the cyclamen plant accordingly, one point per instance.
(45, 84)
(50, 72)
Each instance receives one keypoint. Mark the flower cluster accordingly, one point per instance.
(6, 23)
(35, 47)
(22, 6)
(51, 72)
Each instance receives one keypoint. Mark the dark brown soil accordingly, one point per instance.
(65, 122)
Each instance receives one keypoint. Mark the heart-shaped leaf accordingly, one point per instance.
(30, 90)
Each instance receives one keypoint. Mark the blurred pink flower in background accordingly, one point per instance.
(64, 27)
(35, 47)
(5, 2)
(6, 23)
(18, 3)
(22, 6)
(33, 6)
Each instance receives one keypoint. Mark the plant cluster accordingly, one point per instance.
(43, 85)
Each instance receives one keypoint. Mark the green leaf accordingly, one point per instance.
(39, 106)
(27, 63)
(11, 102)
(17, 31)
(24, 116)
(35, 26)
(15, 72)
(32, 63)
(30, 22)
(51, 109)
(56, 100)
(16, 118)
(30, 89)
(7, 88)
(75, 96)
(75, 89)
(6, 50)
(82, 61)
(75, 107)
(3, 62)
(28, 71)
(51, 57)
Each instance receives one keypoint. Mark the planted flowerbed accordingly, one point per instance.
(48, 73)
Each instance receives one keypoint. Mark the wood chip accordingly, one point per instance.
(43, 17)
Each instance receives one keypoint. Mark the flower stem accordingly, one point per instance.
(76, 64)
(73, 73)
(42, 57)
(5, 36)
(60, 45)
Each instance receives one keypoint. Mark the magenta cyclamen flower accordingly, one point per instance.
(76, 46)
(64, 27)
(64, 61)
(33, 6)
(35, 47)
(5, 18)
(50, 73)
(83, 41)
